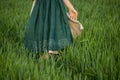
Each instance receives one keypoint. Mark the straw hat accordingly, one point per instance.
(75, 26)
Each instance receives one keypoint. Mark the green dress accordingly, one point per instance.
(48, 27)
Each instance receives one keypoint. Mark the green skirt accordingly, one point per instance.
(48, 27)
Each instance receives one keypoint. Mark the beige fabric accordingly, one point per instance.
(75, 26)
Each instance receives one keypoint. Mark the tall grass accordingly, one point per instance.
(95, 55)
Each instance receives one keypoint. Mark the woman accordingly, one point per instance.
(48, 28)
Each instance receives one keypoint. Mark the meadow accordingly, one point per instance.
(94, 55)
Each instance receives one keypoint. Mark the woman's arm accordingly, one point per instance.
(34, 1)
(72, 12)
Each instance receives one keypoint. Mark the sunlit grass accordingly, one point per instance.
(94, 55)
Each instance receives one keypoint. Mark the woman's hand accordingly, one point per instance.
(73, 13)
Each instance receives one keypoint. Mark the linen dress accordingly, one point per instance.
(48, 27)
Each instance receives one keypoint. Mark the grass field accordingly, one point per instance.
(95, 55)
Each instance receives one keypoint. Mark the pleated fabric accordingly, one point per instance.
(48, 27)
